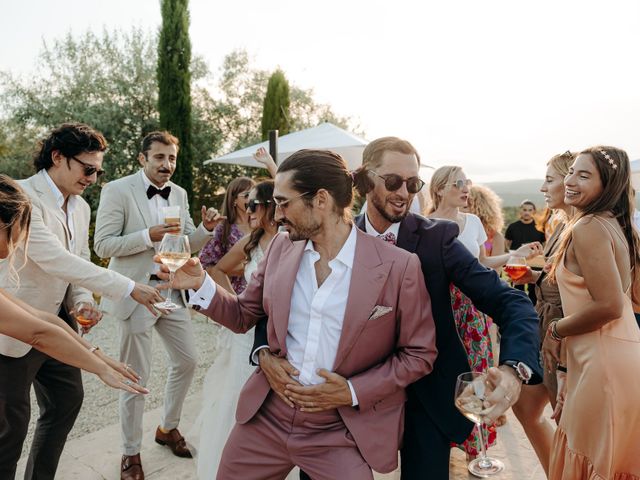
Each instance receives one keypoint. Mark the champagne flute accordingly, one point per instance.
(174, 252)
(471, 390)
(516, 267)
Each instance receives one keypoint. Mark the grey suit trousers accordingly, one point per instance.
(176, 332)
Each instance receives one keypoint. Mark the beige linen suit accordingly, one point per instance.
(53, 273)
(57, 273)
(123, 215)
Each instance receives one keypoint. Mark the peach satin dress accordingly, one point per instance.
(599, 433)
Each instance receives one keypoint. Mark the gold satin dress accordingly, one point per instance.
(599, 433)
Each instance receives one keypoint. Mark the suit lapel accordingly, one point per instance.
(367, 279)
(282, 286)
(408, 234)
(42, 187)
(141, 200)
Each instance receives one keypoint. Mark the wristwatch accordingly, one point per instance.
(522, 370)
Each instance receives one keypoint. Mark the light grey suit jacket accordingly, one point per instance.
(53, 273)
(123, 215)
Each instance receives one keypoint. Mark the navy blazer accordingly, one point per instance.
(445, 261)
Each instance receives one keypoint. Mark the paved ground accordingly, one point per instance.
(93, 449)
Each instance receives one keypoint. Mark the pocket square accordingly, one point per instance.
(378, 311)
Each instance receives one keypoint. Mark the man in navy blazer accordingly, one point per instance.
(389, 179)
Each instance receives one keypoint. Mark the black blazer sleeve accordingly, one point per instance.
(509, 308)
(260, 338)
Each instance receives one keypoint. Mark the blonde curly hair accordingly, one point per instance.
(487, 205)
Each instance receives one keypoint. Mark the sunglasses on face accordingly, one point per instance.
(89, 169)
(252, 205)
(461, 183)
(283, 203)
(393, 182)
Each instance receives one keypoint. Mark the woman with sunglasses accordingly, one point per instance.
(231, 368)
(230, 230)
(44, 331)
(449, 192)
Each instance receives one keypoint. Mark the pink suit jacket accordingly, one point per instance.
(380, 356)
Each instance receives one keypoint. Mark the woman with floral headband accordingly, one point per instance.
(596, 266)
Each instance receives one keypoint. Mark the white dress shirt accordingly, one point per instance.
(155, 207)
(68, 215)
(317, 312)
(370, 229)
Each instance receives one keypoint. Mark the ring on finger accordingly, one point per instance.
(128, 383)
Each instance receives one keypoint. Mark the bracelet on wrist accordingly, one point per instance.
(561, 368)
(553, 332)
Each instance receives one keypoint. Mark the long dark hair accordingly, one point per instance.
(617, 198)
(235, 187)
(264, 193)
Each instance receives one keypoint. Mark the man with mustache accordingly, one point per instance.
(129, 226)
(389, 179)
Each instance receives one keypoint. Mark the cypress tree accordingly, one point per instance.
(275, 113)
(174, 85)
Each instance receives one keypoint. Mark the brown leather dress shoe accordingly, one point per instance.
(131, 468)
(175, 441)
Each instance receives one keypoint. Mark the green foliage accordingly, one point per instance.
(108, 80)
(174, 85)
(275, 112)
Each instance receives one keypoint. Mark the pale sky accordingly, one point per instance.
(497, 87)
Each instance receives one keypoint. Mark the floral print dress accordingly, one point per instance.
(214, 250)
(473, 330)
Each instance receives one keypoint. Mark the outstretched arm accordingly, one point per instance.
(58, 340)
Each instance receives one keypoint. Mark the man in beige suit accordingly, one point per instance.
(56, 277)
(128, 227)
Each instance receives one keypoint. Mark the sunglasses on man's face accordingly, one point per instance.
(89, 169)
(461, 183)
(252, 205)
(393, 182)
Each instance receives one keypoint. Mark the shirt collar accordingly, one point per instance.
(370, 229)
(147, 182)
(347, 252)
(71, 204)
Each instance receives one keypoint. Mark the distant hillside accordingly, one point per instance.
(512, 193)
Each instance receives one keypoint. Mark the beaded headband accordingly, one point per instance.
(608, 159)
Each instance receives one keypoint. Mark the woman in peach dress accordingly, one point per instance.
(598, 437)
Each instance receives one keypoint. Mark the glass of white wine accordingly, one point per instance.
(471, 391)
(174, 252)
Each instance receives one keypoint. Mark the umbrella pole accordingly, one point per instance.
(273, 145)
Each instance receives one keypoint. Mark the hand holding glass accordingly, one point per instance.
(472, 388)
(174, 252)
(86, 315)
(171, 215)
(516, 267)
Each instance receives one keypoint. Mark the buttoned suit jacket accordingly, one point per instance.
(445, 261)
(54, 273)
(122, 215)
(380, 356)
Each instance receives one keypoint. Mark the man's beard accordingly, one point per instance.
(378, 204)
(303, 232)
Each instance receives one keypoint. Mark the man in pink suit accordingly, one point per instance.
(351, 314)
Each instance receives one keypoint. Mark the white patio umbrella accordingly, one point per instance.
(325, 136)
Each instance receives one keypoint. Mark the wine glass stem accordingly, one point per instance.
(170, 283)
(483, 451)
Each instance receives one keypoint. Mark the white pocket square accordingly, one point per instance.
(379, 311)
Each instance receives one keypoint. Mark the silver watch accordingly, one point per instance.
(522, 370)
